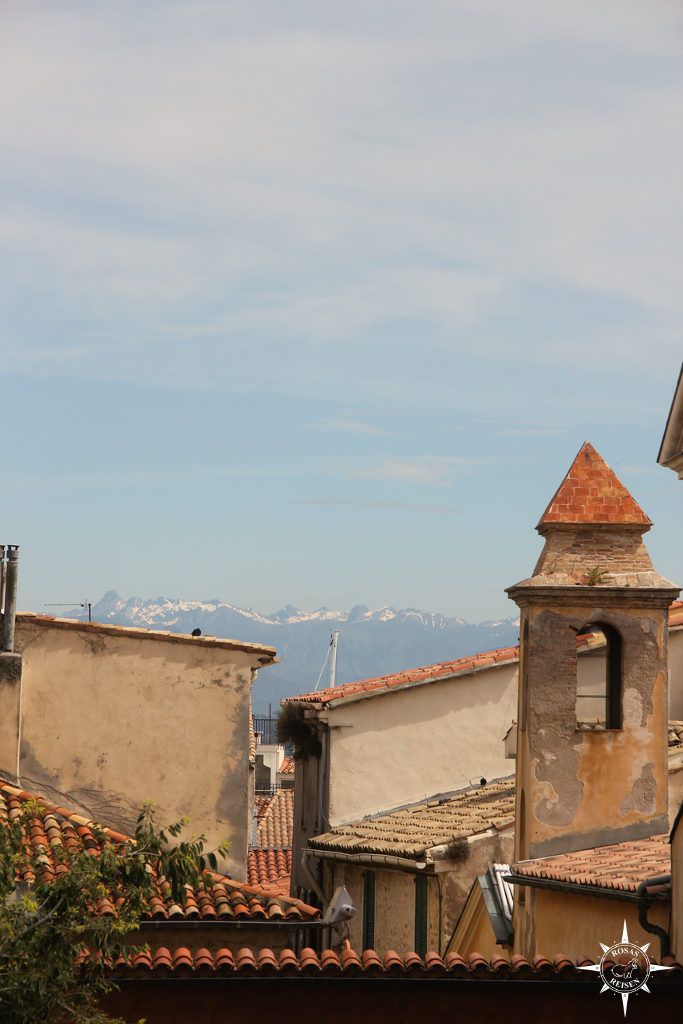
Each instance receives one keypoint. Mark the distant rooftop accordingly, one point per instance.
(109, 629)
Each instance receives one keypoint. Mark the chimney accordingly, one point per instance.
(10, 664)
(8, 593)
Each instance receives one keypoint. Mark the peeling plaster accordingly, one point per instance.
(563, 760)
(643, 795)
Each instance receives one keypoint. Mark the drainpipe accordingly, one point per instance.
(310, 877)
(2, 576)
(10, 608)
(659, 882)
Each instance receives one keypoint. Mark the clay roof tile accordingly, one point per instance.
(592, 493)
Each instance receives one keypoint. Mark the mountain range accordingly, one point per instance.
(372, 643)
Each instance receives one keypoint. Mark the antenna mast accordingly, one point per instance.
(334, 642)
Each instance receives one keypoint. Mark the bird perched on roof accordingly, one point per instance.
(196, 632)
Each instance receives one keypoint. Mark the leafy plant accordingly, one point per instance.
(64, 917)
(293, 727)
(597, 576)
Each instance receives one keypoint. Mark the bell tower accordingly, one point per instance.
(593, 709)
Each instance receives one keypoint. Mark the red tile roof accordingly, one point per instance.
(55, 829)
(676, 614)
(621, 867)
(276, 821)
(287, 767)
(591, 493)
(428, 673)
(441, 671)
(347, 963)
(138, 632)
(270, 870)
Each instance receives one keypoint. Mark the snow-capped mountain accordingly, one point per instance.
(373, 642)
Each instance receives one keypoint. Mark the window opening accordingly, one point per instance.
(421, 883)
(369, 910)
(598, 678)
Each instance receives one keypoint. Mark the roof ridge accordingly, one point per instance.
(345, 963)
(115, 629)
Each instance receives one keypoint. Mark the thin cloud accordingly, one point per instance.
(378, 506)
(423, 469)
(258, 196)
(636, 470)
(532, 431)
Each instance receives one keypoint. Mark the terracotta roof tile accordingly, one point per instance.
(441, 670)
(225, 899)
(287, 767)
(620, 867)
(591, 493)
(276, 820)
(348, 963)
(411, 831)
(270, 869)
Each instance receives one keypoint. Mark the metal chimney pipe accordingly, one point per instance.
(2, 576)
(9, 617)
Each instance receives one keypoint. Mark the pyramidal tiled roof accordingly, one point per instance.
(591, 493)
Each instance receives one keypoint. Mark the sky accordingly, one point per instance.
(314, 304)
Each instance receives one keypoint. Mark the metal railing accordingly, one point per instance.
(266, 730)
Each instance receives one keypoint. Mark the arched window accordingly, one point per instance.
(598, 683)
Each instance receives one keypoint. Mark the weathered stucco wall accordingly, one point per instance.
(457, 879)
(109, 722)
(400, 747)
(584, 789)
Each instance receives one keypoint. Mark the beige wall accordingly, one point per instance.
(110, 721)
(676, 674)
(394, 906)
(398, 748)
(677, 892)
(474, 933)
(575, 925)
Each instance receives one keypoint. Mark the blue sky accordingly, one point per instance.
(316, 303)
